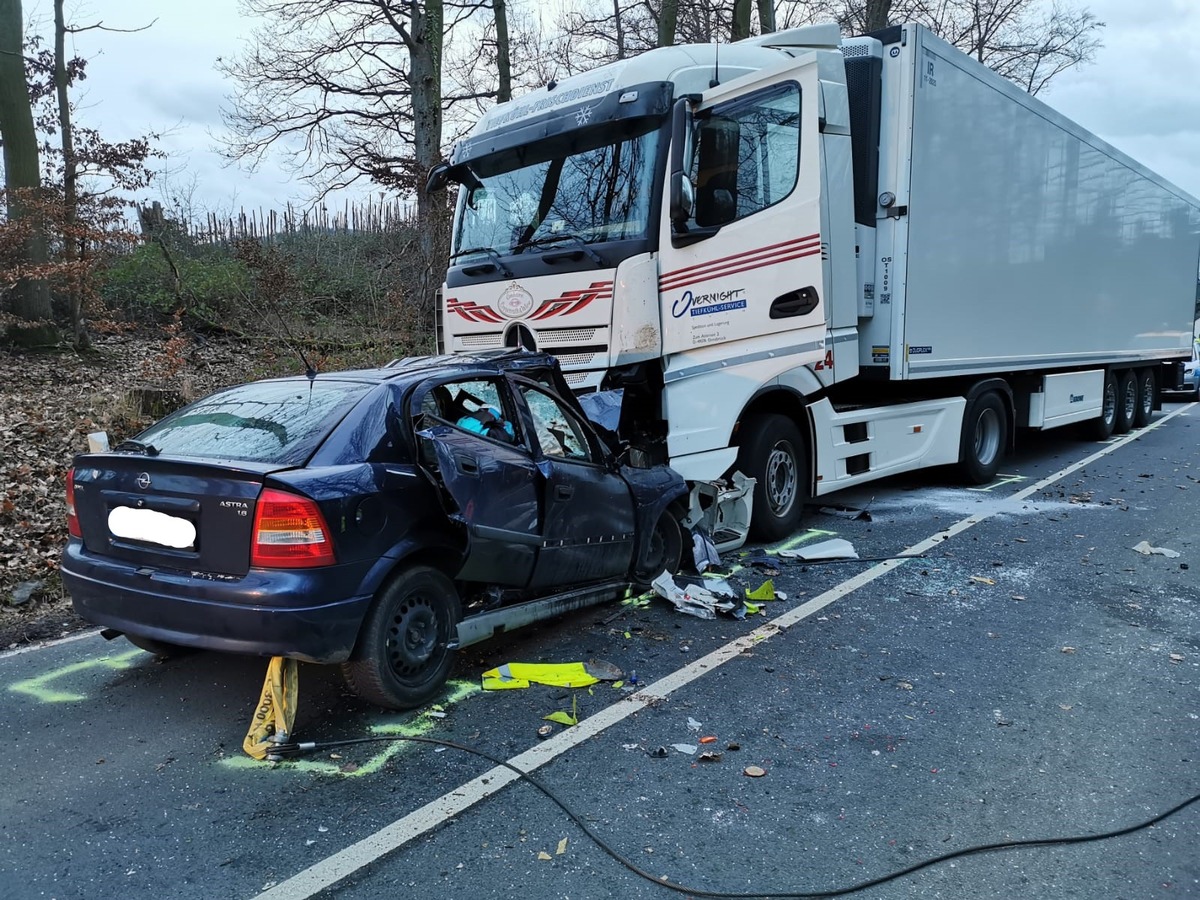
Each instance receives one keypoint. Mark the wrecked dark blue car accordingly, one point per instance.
(379, 519)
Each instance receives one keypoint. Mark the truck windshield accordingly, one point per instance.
(596, 192)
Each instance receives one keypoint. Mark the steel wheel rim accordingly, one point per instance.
(413, 637)
(781, 478)
(1129, 399)
(987, 437)
(1148, 397)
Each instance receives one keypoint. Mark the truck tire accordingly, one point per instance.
(403, 657)
(771, 450)
(1101, 427)
(1145, 393)
(1127, 401)
(984, 438)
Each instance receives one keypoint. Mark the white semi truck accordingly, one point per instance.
(818, 261)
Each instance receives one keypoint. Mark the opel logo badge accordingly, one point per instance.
(143, 480)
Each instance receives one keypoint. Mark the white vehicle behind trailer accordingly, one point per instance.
(819, 261)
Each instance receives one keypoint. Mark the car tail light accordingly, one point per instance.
(72, 518)
(289, 533)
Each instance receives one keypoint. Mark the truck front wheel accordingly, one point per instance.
(984, 437)
(771, 451)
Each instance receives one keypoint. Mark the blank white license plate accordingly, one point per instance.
(152, 526)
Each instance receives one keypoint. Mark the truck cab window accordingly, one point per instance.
(747, 155)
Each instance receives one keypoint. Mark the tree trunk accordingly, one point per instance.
(877, 14)
(668, 19)
(30, 299)
(503, 63)
(70, 212)
(741, 20)
(766, 16)
(426, 67)
(619, 28)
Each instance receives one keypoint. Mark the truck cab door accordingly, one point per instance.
(741, 256)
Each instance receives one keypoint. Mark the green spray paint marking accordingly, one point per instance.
(419, 725)
(800, 539)
(38, 687)
(1002, 481)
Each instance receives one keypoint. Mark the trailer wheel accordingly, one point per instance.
(403, 656)
(1101, 428)
(984, 438)
(771, 451)
(1127, 401)
(663, 552)
(1145, 398)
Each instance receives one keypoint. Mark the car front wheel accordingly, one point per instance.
(403, 657)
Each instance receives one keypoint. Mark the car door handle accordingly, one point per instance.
(563, 492)
(468, 465)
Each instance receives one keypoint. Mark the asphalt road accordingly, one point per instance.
(1030, 677)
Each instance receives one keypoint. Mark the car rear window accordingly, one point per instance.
(273, 422)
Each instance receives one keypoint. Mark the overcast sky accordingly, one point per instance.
(1140, 94)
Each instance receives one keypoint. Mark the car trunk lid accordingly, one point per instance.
(169, 512)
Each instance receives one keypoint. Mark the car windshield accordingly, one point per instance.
(599, 192)
(273, 421)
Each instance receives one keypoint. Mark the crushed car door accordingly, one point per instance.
(588, 510)
(488, 476)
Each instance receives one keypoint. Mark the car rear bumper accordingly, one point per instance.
(267, 612)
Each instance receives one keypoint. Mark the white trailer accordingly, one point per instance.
(818, 261)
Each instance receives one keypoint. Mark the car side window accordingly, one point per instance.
(558, 431)
(475, 405)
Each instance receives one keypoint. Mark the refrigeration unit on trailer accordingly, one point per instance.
(817, 261)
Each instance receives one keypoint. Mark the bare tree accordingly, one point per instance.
(503, 46)
(1029, 42)
(352, 89)
(740, 27)
(668, 20)
(30, 295)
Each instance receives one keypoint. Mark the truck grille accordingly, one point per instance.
(566, 335)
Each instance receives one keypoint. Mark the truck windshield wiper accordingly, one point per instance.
(558, 238)
(136, 447)
(491, 252)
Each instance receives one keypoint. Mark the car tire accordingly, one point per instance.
(1127, 402)
(161, 649)
(1101, 428)
(663, 551)
(403, 656)
(771, 450)
(984, 438)
(1146, 388)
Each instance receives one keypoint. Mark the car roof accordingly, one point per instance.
(415, 368)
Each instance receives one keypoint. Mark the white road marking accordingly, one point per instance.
(48, 644)
(344, 863)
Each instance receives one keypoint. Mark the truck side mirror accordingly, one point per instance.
(717, 187)
(682, 193)
(439, 177)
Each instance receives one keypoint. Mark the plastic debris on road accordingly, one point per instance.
(704, 551)
(835, 548)
(1145, 549)
(702, 598)
(521, 675)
